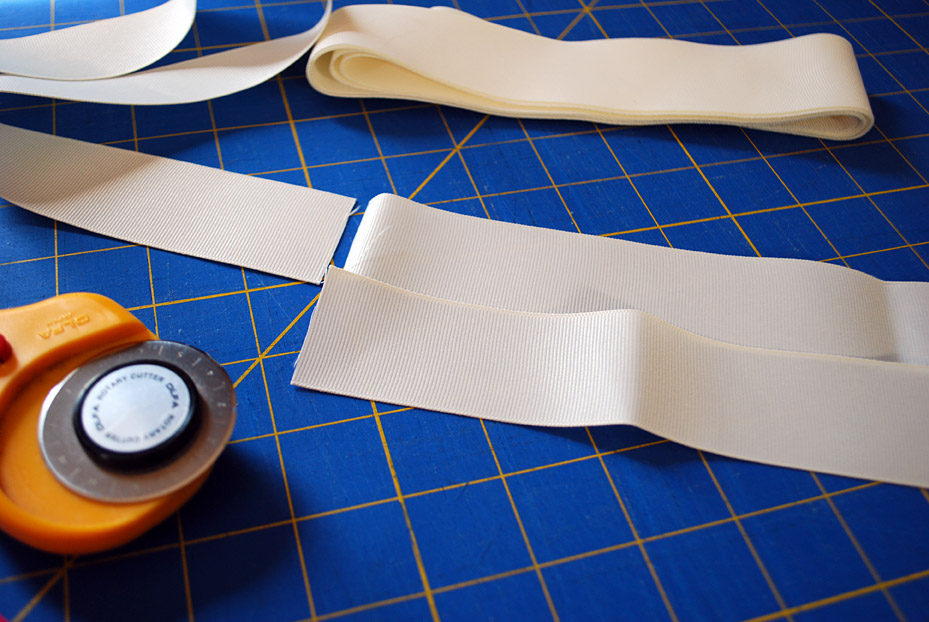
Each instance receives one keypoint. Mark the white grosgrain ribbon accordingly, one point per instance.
(779, 304)
(809, 85)
(197, 79)
(257, 223)
(500, 339)
(100, 49)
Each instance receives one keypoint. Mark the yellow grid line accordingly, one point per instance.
(551, 179)
(685, 222)
(383, 603)
(182, 549)
(715, 193)
(565, 559)
(315, 426)
(870, 198)
(29, 575)
(846, 595)
(280, 455)
(455, 151)
(551, 563)
(525, 14)
(420, 566)
(900, 153)
(748, 541)
(27, 609)
(895, 23)
(585, 10)
(636, 539)
(464, 164)
(377, 145)
(765, 618)
(861, 552)
(522, 528)
(794, 198)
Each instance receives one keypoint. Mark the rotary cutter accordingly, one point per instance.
(104, 430)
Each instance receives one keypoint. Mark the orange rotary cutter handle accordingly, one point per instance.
(65, 361)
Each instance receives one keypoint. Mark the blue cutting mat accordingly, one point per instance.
(325, 507)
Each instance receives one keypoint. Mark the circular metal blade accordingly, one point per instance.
(86, 474)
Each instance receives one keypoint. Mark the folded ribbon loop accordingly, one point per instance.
(808, 85)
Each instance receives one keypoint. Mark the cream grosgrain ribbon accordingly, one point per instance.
(529, 326)
(102, 76)
(809, 85)
(778, 304)
(248, 221)
(257, 223)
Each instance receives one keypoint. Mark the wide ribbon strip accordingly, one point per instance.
(809, 85)
(780, 304)
(594, 359)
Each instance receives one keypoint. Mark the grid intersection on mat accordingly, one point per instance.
(325, 507)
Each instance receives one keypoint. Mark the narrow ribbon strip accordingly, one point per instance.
(809, 85)
(253, 222)
(779, 304)
(100, 49)
(833, 414)
(197, 79)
